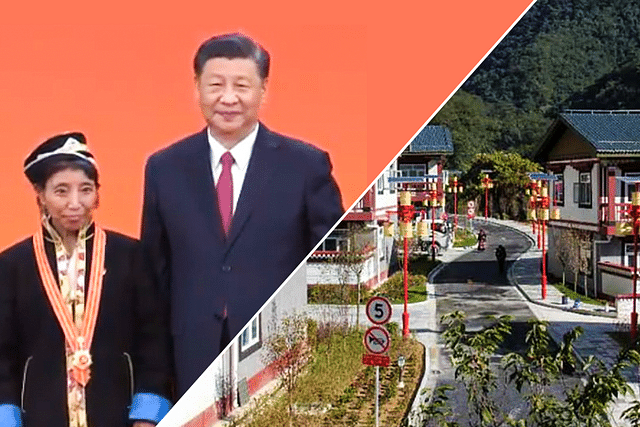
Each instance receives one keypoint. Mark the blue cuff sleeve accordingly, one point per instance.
(148, 407)
(10, 416)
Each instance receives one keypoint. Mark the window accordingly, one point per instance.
(582, 190)
(336, 241)
(380, 183)
(329, 244)
(392, 172)
(558, 187)
(628, 255)
(250, 335)
(631, 187)
(412, 170)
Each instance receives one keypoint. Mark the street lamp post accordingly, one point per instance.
(543, 218)
(635, 215)
(455, 189)
(406, 216)
(487, 183)
(406, 212)
(433, 197)
(533, 202)
(540, 198)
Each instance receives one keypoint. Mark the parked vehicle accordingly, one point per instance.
(443, 238)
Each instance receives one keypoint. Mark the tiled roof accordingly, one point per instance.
(608, 131)
(432, 139)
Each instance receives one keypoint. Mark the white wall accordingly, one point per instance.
(615, 285)
(325, 273)
(388, 199)
(291, 298)
(570, 210)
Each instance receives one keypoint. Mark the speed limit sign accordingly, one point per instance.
(378, 310)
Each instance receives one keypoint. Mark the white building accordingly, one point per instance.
(240, 372)
(425, 155)
(589, 151)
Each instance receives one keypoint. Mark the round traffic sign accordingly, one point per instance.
(377, 340)
(378, 310)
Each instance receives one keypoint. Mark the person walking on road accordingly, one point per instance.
(501, 256)
(482, 238)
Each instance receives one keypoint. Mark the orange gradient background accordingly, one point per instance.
(355, 81)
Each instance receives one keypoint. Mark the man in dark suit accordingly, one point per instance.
(230, 211)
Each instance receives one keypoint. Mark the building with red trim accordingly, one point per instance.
(589, 151)
(424, 156)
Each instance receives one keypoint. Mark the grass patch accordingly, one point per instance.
(336, 294)
(392, 288)
(574, 295)
(422, 265)
(335, 379)
(464, 238)
(335, 362)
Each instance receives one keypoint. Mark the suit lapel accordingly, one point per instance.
(259, 170)
(201, 177)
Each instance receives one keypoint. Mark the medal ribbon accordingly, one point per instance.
(78, 341)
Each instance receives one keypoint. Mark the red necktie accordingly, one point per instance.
(225, 191)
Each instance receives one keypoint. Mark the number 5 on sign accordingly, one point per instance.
(378, 310)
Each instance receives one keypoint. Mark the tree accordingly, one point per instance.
(473, 131)
(533, 374)
(509, 179)
(287, 351)
(563, 249)
(351, 259)
(578, 252)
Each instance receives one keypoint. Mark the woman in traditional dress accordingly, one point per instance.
(83, 341)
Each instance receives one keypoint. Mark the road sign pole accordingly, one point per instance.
(377, 395)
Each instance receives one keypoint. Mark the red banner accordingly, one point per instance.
(375, 360)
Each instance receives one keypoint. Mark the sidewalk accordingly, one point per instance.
(525, 274)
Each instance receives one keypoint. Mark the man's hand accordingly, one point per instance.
(143, 424)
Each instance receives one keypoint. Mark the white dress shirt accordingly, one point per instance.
(241, 153)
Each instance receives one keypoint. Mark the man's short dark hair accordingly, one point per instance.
(232, 46)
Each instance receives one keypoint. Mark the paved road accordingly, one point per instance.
(473, 284)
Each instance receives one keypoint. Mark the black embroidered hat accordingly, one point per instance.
(66, 146)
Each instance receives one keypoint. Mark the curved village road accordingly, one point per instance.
(473, 284)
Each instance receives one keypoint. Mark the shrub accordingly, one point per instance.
(335, 294)
(393, 288)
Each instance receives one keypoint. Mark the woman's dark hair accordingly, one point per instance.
(40, 173)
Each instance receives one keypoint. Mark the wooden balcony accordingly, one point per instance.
(364, 210)
(608, 216)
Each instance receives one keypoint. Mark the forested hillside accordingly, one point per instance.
(562, 54)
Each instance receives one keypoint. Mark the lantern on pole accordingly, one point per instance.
(634, 214)
(540, 212)
(487, 184)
